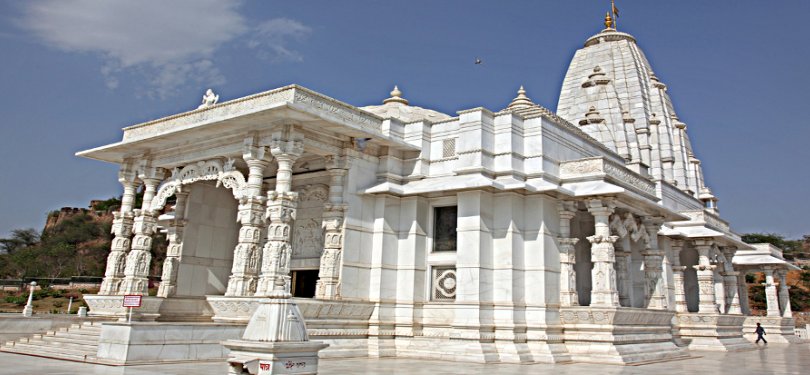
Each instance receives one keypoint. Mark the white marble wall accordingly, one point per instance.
(209, 240)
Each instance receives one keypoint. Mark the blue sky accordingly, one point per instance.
(75, 72)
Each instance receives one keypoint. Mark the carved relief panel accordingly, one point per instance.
(307, 236)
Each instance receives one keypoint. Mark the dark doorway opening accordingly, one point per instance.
(303, 283)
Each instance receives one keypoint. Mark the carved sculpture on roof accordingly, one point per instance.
(209, 99)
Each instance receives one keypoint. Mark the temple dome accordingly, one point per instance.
(610, 90)
(397, 107)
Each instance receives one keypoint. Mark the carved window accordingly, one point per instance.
(444, 284)
(449, 148)
(444, 228)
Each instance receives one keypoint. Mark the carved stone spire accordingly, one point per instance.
(521, 100)
(396, 97)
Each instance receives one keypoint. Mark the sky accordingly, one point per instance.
(75, 72)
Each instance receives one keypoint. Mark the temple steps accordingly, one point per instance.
(79, 342)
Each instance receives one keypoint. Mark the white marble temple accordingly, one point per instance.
(517, 235)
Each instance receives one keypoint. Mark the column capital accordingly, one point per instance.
(703, 243)
(653, 222)
(151, 174)
(600, 206)
(337, 162)
(676, 244)
(251, 151)
(567, 241)
(286, 148)
(597, 239)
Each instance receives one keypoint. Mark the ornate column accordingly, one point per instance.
(677, 275)
(281, 205)
(168, 279)
(705, 277)
(653, 258)
(732, 287)
(328, 286)
(122, 230)
(251, 216)
(568, 279)
(623, 282)
(770, 293)
(784, 295)
(604, 291)
(136, 272)
(743, 289)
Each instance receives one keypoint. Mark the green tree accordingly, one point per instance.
(20, 238)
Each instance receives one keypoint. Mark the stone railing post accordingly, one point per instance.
(677, 275)
(653, 258)
(328, 286)
(251, 217)
(168, 278)
(604, 292)
(122, 230)
(784, 295)
(281, 207)
(136, 272)
(568, 281)
(705, 275)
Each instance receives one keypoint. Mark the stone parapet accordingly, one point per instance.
(618, 335)
(714, 332)
(112, 307)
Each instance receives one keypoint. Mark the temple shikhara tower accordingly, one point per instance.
(514, 235)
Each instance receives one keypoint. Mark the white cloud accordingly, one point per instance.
(271, 37)
(169, 43)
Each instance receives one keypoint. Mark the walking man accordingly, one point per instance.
(760, 332)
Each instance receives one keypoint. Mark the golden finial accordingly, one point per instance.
(608, 21)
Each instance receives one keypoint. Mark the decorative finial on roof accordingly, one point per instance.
(396, 97)
(209, 99)
(608, 21)
(521, 100)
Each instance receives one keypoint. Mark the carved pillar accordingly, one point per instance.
(732, 292)
(770, 293)
(743, 289)
(623, 281)
(604, 291)
(568, 280)
(168, 279)
(122, 230)
(677, 276)
(653, 258)
(732, 287)
(251, 217)
(136, 272)
(281, 205)
(705, 277)
(328, 286)
(784, 295)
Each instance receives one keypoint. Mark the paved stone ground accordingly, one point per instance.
(793, 359)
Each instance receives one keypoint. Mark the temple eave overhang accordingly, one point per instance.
(290, 104)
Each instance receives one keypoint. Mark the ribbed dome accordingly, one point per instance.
(611, 92)
(397, 107)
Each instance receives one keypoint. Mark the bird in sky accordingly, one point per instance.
(478, 61)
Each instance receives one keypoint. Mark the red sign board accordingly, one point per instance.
(132, 300)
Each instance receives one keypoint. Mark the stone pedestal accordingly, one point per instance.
(275, 341)
(618, 335)
(712, 331)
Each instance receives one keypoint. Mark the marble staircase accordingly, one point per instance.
(79, 342)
